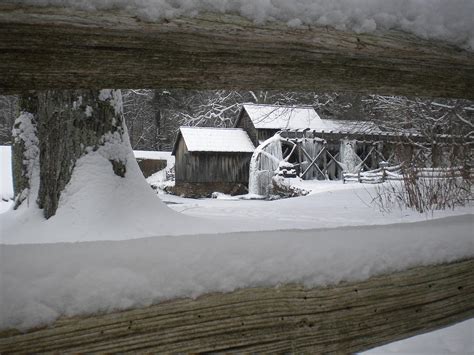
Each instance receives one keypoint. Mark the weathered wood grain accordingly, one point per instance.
(53, 48)
(345, 318)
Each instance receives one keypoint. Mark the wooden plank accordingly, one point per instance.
(54, 48)
(345, 318)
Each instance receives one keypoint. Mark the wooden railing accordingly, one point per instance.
(346, 318)
(395, 173)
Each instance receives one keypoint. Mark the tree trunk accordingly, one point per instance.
(25, 149)
(69, 125)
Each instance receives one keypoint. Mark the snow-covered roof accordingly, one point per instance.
(205, 139)
(345, 126)
(282, 117)
(299, 118)
(153, 155)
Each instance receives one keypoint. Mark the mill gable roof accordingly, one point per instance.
(282, 117)
(300, 118)
(205, 139)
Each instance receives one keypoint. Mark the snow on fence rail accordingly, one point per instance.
(374, 176)
(385, 173)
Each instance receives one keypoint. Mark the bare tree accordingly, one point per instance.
(428, 117)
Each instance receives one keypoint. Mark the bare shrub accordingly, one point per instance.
(428, 189)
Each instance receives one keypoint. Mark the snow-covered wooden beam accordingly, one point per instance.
(346, 318)
(54, 48)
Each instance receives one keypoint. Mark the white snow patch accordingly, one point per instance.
(78, 103)
(113, 148)
(432, 19)
(154, 155)
(105, 94)
(6, 183)
(89, 111)
(115, 98)
(283, 117)
(204, 139)
(25, 131)
(456, 339)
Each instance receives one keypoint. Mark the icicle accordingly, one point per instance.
(349, 159)
(263, 165)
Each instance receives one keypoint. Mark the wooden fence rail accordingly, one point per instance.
(55, 48)
(395, 173)
(345, 318)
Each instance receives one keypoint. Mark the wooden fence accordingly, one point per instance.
(395, 173)
(346, 318)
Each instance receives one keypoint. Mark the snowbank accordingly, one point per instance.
(434, 19)
(43, 282)
(98, 205)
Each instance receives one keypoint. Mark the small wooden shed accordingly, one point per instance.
(212, 159)
(150, 162)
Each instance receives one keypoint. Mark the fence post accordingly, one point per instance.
(383, 166)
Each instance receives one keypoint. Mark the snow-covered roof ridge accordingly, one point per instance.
(279, 105)
(301, 117)
(283, 117)
(210, 139)
(351, 126)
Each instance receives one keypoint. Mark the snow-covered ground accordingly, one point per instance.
(105, 217)
(457, 339)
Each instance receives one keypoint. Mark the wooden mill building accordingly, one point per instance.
(263, 121)
(216, 159)
(212, 159)
(307, 129)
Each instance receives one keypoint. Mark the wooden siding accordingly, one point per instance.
(247, 125)
(151, 166)
(208, 167)
(264, 134)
